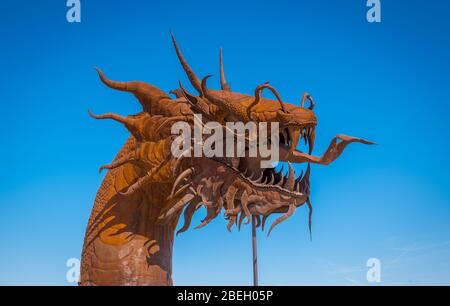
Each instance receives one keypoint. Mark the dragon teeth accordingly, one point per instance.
(291, 178)
(272, 180)
(285, 136)
(245, 172)
(260, 178)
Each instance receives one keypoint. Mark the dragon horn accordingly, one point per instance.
(189, 97)
(122, 86)
(233, 108)
(223, 81)
(258, 91)
(195, 81)
(144, 92)
(131, 124)
(115, 117)
(311, 100)
(260, 88)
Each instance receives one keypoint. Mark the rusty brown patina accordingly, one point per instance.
(130, 233)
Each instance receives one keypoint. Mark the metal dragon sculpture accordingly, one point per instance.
(130, 233)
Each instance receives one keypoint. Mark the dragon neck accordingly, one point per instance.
(124, 244)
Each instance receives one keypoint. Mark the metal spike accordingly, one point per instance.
(245, 172)
(264, 222)
(231, 222)
(285, 136)
(177, 206)
(308, 203)
(241, 218)
(223, 82)
(299, 178)
(188, 213)
(230, 196)
(210, 215)
(185, 174)
(244, 202)
(289, 213)
(260, 177)
(307, 173)
(291, 179)
(272, 180)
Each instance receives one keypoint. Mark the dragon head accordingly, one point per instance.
(237, 184)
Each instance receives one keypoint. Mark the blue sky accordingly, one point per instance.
(387, 82)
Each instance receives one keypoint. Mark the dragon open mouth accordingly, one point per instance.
(149, 188)
(244, 189)
(239, 185)
(270, 178)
